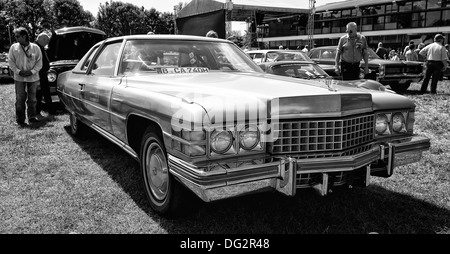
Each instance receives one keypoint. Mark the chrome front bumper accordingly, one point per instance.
(282, 175)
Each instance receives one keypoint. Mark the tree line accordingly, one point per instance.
(115, 18)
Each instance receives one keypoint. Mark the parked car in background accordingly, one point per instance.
(221, 127)
(66, 47)
(5, 71)
(311, 70)
(275, 55)
(295, 69)
(397, 74)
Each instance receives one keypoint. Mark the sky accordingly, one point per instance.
(167, 5)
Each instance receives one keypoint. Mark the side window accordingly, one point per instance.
(315, 54)
(258, 58)
(106, 61)
(88, 60)
(328, 54)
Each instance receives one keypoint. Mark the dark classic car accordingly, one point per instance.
(5, 72)
(397, 74)
(66, 47)
(221, 127)
(310, 70)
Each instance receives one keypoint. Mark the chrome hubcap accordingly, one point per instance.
(157, 171)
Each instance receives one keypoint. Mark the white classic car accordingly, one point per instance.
(197, 113)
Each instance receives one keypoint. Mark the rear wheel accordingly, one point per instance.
(76, 126)
(397, 87)
(162, 190)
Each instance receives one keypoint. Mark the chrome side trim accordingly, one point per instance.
(117, 115)
(113, 139)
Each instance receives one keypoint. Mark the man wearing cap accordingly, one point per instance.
(352, 48)
(306, 49)
(436, 61)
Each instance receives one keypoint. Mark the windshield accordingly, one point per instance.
(275, 56)
(372, 54)
(180, 56)
(304, 71)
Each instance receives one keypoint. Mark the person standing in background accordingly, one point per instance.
(42, 41)
(420, 58)
(306, 49)
(352, 48)
(407, 47)
(393, 56)
(212, 34)
(411, 55)
(25, 60)
(436, 61)
(381, 51)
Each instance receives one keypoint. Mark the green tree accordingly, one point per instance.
(5, 28)
(118, 18)
(31, 14)
(163, 23)
(67, 13)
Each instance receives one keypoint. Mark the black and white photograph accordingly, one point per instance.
(225, 124)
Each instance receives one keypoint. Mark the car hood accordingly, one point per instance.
(287, 96)
(393, 63)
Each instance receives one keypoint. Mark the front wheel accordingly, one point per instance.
(162, 190)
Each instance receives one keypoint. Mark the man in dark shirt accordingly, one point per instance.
(381, 51)
(42, 40)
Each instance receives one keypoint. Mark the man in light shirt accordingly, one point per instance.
(25, 60)
(306, 49)
(436, 61)
(352, 48)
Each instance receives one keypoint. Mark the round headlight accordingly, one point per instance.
(361, 75)
(398, 122)
(51, 76)
(249, 138)
(221, 141)
(381, 124)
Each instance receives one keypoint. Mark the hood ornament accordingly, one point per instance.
(330, 84)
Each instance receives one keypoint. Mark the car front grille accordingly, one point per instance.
(304, 136)
(408, 69)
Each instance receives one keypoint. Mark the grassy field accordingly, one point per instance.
(51, 182)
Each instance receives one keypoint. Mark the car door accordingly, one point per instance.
(98, 84)
(73, 88)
